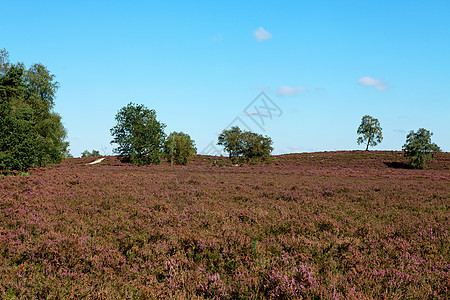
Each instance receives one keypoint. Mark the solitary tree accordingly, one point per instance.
(370, 130)
(179, 148)
(245, 144)
(418, 148)
(139, 135)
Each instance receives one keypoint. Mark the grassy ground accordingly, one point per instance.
(342, 225)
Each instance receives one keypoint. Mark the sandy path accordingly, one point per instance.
(96, 161)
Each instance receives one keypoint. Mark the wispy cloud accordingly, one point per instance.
(284, 90)
(262, 88)
(262, 35)
(217, 38)
(378, 84)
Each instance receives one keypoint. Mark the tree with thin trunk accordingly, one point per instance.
(370, 131)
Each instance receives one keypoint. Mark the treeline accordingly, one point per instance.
(31, 133)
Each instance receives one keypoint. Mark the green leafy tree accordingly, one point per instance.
(139, 135)
(231, 140)
(86, 153)
(18, 147)
(418, 148)
(370, 130)
(28, 97)
(179, 148)
(245, 145)
(256, 147)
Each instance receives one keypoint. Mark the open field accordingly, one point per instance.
(342, 225)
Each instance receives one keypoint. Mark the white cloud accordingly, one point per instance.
(261, 34)
(285, 90)
(378, 84)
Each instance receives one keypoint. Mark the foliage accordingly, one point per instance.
(86, 153)
(418, 148)
(179, 148)
(245, 144)
(32, 134)
(328, 229)
(370, 130)
(139, 135)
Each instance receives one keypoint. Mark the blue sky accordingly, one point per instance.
(199, 64)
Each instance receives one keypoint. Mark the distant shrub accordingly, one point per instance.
(418, 148)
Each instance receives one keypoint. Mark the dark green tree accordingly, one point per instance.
(256, 147)
(370, 130)
(27, 99)
(246, 145)
(418, 148)
(231, 140)
(139, 135)
(179, 148)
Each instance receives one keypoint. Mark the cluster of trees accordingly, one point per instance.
(141, 139)
(31, 132)
(32, 135)
(418, 148)
(245, 145)
(86, 153)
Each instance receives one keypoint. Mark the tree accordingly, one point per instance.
(256, 147)
(370, 130)
(418, 148)
(139, 135)
(31, 133)
(179, 148)
(245, 144)
(231, 140)
(86, 153)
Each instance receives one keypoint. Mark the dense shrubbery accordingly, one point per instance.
(31, 133)
(246, 145)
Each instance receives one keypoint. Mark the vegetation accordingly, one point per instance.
(179, 148)
(370, 130)
(419, 149)
(31, 133)
(86, 153)
(139, 135)
(309, 226)
(246, 145)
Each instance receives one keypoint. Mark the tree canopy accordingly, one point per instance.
(370, 130)
(31, 132)
(179, 148)
(248, 145)
(139, 135)
(418, 148)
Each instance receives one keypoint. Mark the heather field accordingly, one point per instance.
(331, 225)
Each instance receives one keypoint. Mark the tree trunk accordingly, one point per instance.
(368, 142)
